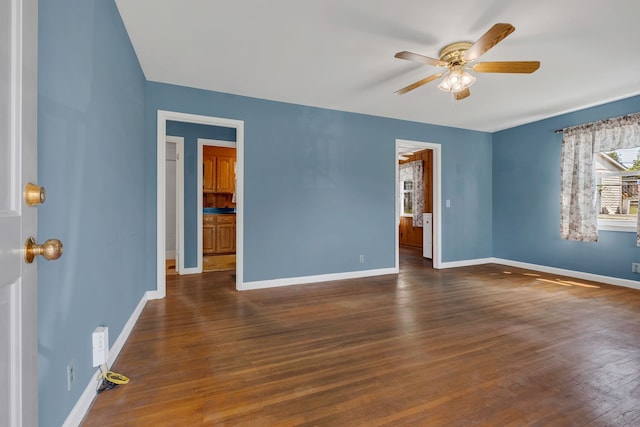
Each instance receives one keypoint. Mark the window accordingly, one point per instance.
(406, 198)
(617, 179)
(582, 147)
(411, 191)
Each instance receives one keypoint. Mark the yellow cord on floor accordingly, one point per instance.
(114, 377)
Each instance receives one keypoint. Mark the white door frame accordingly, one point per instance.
(179, 141)
(201, 143)
(238, 125)
(437, 191)
(19, 165)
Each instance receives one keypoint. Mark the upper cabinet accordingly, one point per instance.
(218, 164)
(208, 168)
(225, 177)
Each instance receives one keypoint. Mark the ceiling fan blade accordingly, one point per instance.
(462, 94)
(410, 56)
(418, 84)
(495, 35)
(507, 67)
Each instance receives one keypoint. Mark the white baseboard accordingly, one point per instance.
(466, 262)
(151, 295)
(545, 269)
(192, 270)
(570, 273)
(263, 284)
(83, 404)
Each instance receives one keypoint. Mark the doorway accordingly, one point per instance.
(238, 125)
(216, 245)
(405, 146)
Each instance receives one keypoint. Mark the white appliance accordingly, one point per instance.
(427, 236)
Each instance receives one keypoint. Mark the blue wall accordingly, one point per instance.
(319, 184)
(91, 159)
(526, 199)
(191, 132)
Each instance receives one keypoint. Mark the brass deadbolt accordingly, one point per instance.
(50, 250)
(34, 194)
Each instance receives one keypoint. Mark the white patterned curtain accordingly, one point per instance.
(413, 171)
(578, 217)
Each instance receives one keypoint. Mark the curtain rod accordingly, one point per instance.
(599, 121)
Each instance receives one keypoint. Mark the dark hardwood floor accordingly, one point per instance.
(485, 345)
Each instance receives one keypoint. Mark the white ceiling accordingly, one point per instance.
(338, 54)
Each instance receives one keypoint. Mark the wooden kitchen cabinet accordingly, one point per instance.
(218, 165)
(218, 234)
(208, 234)
(208, 168)
(225, 177)
(224, 238)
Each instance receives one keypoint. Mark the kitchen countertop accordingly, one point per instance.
(217, 211)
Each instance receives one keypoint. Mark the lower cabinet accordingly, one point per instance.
(225, 238)
(208, 238)
(218, 234)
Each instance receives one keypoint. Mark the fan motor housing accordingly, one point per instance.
(453, 53)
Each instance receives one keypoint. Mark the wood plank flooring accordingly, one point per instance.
(486, 345)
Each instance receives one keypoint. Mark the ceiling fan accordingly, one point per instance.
(457, 58)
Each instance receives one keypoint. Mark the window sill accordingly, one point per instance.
(613, 225)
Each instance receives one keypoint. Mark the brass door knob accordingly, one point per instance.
(34, 194)
(50, 250)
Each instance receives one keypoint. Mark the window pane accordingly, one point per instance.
(618, 197)
(408, 204)
(629, 158)
(618, 194)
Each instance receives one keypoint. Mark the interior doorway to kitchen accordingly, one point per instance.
(406, 186)
(217, 205)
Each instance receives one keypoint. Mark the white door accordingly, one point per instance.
(427, 235)
(171, 222)
(18, 281)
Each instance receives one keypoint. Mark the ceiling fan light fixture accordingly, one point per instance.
(456, 80)
(458, 56)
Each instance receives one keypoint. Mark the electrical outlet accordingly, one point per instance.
(361, 259)
(70, 375)
(100, 341)
(635, 267)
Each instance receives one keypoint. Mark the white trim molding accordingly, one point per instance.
(217, 142)
(630, 226)
(546, 269)
(306, 280)
(85, 401)
(467, 262)
(192, 270)
(570, 273)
